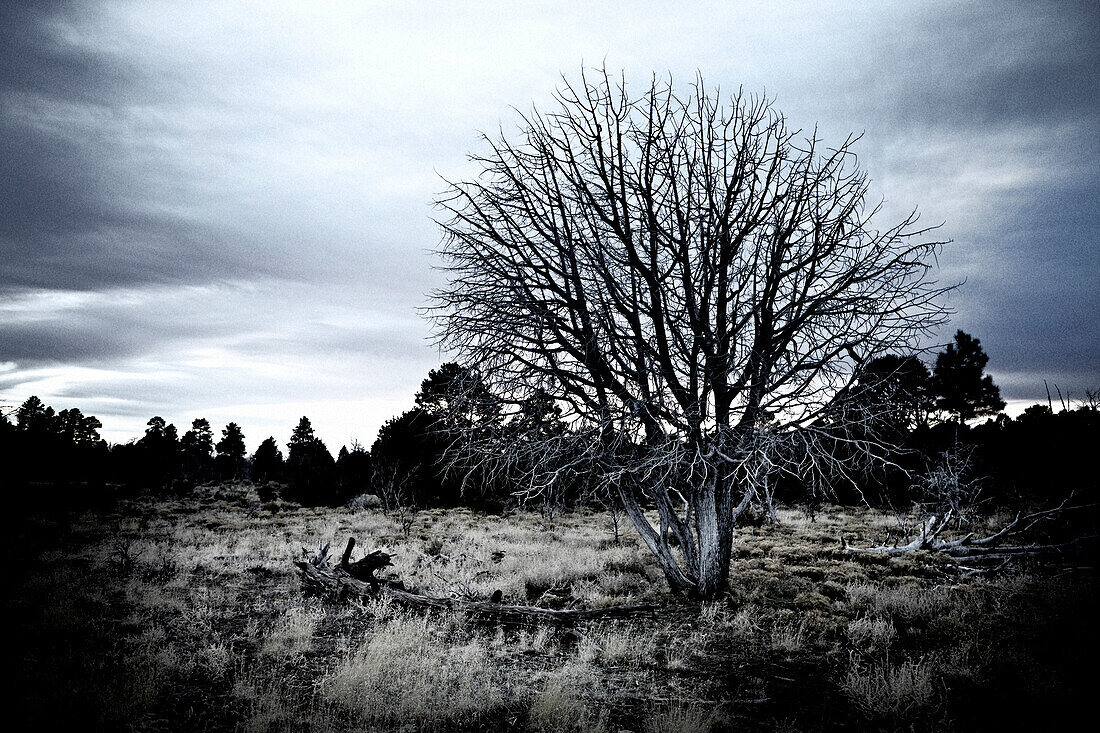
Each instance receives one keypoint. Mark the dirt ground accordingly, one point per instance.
(188, 615)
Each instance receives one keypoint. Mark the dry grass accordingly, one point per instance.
(872, 635)
(681, 719)
(886, 691)
(292, 635)
(405, 672)
(190, 611)
(566, 702)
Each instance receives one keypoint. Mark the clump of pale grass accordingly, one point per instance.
(745, 622)
(680, 648)
(267, 705)
(787, 636)
(906, 603)
(614, 644)
(562, 705)
(881, 689)
(293, 634)
(872, 635)
(680, 719)
(533, 641)
(214, 659)
(408, 673)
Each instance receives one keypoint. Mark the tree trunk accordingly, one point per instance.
(704, 572)
(714, 520)
(678, 580)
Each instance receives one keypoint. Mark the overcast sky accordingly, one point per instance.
(223, 209)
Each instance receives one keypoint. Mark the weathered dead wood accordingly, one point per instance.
(337, 582)
(992, 548)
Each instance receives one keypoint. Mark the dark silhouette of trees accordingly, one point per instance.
(78, 429)
(62, 448)
(960, 387)
(230, 462)
(267, 462)
(157, 458)
(35, 417)
(896, 392)
(409, 457)
(1041, 456)
(407, 467)
(197, 449)
(353, 471)
(693, 282)
(310, 469)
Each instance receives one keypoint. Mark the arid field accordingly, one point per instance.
(188, 614)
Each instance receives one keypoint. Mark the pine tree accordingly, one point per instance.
(267, 462)
(197, 446)
(311, 471)
(958, 382)
(230, 461)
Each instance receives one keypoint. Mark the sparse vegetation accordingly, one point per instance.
(187, 614)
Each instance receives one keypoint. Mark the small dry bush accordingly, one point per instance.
(882, 690)
(788, 636)
(292, 635)
(407, 672)
(906, 603)
(619, 644)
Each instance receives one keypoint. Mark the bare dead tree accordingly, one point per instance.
(694, 284)
(393, 485)
(948, 486)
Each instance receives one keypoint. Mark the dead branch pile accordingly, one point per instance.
(319, 578)
(984, 554)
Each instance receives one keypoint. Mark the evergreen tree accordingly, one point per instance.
(268, 463)
(408, 457)
(197, 447)
(158, 454)
(896, 394)
(35, 417)
(353, 470)
(311, 471)
(230, 462)
(78, 429)
(960, 387)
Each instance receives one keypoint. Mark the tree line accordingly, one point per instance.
(923, 413)
(64, 450)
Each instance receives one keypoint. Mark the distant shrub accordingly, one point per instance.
(681, 719)
(364, 501)
(562, 705)
(871, 635)
(269, 491)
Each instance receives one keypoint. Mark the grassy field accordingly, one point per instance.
(188, 615)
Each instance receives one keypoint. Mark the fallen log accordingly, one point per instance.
(335, 581)
(989, 549)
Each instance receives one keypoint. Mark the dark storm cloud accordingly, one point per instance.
(1036, 313)
(1005, 99)
(104, 183)
(66, 214)
(37, 62)
(1023, 63)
